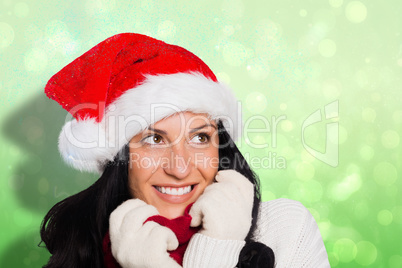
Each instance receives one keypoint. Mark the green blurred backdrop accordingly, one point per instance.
(288, 61)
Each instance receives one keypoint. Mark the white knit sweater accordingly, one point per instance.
(284, 225)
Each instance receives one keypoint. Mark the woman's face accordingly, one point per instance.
(173, 161)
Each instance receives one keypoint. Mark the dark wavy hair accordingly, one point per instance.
(74, 228)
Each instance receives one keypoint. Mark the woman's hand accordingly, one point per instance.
(225, 208)
(135, 244)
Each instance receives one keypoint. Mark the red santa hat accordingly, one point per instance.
(126, 83)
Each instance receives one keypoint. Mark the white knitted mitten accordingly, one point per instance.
(225, 208)
(135, 244)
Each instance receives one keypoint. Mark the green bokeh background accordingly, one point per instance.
(286, 59)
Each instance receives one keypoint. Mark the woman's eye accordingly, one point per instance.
(200, 138)
(153, 139)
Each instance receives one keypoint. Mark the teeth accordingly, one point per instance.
(187, 189)
(174, 191)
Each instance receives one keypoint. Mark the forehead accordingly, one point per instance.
(185, 119)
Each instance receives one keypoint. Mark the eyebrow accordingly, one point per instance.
(191, 131)
(201, 127)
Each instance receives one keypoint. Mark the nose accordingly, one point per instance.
(179, 161)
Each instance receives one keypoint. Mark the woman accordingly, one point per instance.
(174, 191)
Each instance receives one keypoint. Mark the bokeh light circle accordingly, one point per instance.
(6, 35)
(333, 259)
(36, 60)
(234, 53)
(366, 152)
(258, 69)
(228, 30)
(345, 249)
(384, 217)
(287, 125)
(366, 253)
(305, 171)
(356, 12)
(323, 21)
(336, 3)
(166, 29)
(267, 45)
(390, 139)
(385, 174)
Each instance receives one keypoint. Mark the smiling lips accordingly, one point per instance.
(175, 195)
(174, 190)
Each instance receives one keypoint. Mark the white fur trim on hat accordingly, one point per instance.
(87, 145)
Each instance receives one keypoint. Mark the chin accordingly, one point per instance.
(173, 212)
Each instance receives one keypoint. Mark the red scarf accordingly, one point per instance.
(180, 226)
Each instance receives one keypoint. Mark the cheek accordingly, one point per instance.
(141, 168)
(134, 184)
(144, 162)
(209, 164)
